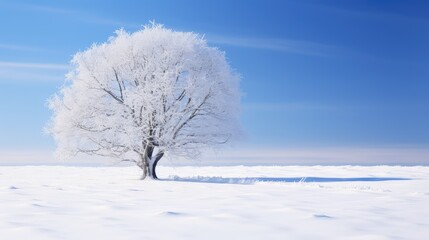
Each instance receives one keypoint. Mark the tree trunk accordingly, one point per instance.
(152, 169)
(143, 165)
(148, 162)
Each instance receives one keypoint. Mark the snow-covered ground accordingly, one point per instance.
(320, 202)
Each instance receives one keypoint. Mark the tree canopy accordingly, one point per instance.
(141, 95)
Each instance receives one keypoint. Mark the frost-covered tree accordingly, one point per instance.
(145, 94)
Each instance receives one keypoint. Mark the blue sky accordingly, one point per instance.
(316, 74)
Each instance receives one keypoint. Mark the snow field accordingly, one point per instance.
(341, 202)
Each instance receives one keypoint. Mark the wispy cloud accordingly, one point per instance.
(277, 44)
(18, 47)
(80, 15)
(384, 16)
(266, 106)
(31, 71)
(33, 65)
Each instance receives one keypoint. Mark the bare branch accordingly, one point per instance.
(119, 84)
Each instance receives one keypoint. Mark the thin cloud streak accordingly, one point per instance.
(288, 106)
(280, 45)
(289, 46)
(18, 48)
(80, 16)
(19, 72)
(27, 77)
(378, 16)
(4, 64)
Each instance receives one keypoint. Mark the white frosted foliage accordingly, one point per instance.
(151, 91)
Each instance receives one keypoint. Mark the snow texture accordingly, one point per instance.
(321, 202)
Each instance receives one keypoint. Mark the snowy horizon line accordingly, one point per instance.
(364, 156)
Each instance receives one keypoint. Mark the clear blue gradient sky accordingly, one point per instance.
(316, 74)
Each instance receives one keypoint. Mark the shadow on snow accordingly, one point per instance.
(251, 180)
